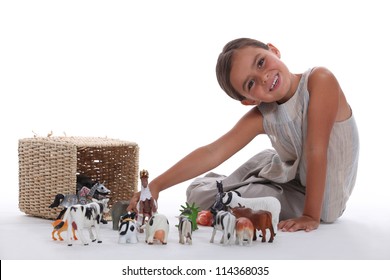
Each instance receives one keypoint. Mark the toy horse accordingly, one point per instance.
(60, 230)
(85, 191)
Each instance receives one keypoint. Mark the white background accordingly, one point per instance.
(144, 71)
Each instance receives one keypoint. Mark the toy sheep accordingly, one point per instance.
(268, 203)
(232, 199)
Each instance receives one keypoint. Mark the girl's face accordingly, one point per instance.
(260, 76)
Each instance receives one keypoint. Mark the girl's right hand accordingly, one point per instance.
(133, 202)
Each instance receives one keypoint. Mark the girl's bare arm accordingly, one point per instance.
(209, 156)
(324, 108)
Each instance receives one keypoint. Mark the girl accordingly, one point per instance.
(312, 169)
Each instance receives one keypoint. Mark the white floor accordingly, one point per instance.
(363, 233)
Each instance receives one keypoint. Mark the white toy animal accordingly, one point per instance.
(128, 229)
(225, 222)
(157, 228)
(268, 203)
(185, 230)
(85, 216)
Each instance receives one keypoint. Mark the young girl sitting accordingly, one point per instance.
(312, 168)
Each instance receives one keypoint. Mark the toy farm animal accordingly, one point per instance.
(205, 218)
(84, 194)
(233, 199)
(261, 220)
(117, 211)
(128, 229)
(85, 216)
(147, 205)
(185, 230)
(244, 231)
(157, 228)
(225, 222)
(60, 230)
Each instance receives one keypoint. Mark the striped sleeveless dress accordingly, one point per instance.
(281, 172)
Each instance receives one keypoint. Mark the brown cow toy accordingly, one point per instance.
(261, 220)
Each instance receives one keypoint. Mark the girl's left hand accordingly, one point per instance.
(305, 223)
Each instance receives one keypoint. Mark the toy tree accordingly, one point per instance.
(191, 212)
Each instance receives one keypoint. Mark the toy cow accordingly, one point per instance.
(244, 231)
(85, 216)
(185, 230)
(128, 229)
(225, 222)
(157, 228)
(233, 199)
(261, 220)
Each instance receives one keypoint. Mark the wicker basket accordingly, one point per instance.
(48, 166)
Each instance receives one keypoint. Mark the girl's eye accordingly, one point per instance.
(250, 84)
(260, 63)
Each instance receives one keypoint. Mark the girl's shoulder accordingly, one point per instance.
(320, 77)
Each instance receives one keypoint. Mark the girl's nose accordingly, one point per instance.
(264, 78)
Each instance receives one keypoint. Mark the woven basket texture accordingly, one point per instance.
(49, 166)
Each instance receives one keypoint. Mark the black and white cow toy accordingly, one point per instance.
(87, 216)
(225, 222)
(128, 229)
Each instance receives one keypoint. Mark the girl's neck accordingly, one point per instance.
(295, 79)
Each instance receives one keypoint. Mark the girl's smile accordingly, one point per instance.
(260, 76)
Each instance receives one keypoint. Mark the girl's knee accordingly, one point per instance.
(329, 218)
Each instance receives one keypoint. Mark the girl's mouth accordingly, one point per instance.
(275, 82)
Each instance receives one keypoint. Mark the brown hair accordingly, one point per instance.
(224, 63)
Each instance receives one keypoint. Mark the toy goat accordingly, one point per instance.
(225, 222)
(244, 231)
(261, 220)
(185, 230)
(233, 199)
(85, 216)
(157, 228)
(128, 229)
(60, 230)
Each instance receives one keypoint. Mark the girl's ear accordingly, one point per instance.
(248, 102)
(274, 49)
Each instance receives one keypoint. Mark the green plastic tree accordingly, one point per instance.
(191, 212)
